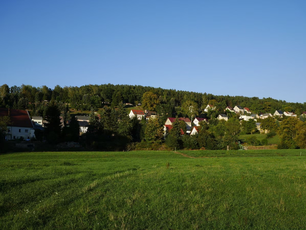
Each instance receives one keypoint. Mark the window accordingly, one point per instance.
(26, 130)
(19, 130)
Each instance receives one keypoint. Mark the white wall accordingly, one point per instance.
(17, 132)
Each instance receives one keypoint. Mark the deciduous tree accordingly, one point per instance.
(150, 101)
(153, 131)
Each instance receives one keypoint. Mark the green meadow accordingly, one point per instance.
(263, 189)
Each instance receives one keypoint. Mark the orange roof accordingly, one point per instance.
(139, 112)
(172, 119)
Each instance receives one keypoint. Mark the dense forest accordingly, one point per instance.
(90, 97)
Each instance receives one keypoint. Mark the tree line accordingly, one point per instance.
(111, 129)
(167, 100)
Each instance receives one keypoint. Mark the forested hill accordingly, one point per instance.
(95, 96)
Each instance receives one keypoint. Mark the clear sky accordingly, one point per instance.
(223, 47)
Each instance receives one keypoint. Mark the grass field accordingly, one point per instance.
(154, 190)
(271, 141)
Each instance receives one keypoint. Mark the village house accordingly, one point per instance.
(247, 110)
(238, 109)
(197, 121)
(195, 130)
(222, 117)
(83, 123)
(248, 117)
(289, 114)
(20, 125)
(137, 113)
(38, 120)
(150, 114)
(140, 114)
(229, 109)
(209, 107)
(264, 115)
(170, 120)
(83, 126)
(278, 113)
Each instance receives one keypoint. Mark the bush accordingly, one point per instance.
(173, 142)
(271, 134)
(264, 141)
(189, 142)
(253, 141)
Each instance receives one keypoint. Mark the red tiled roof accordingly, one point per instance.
(139, 112)
(200, 119)
(172, 119)
(247, 109)
(19, 118)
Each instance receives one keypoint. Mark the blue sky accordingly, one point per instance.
(224, 47)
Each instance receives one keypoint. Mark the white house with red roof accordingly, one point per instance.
(195, 130)
(137, 113)
(229, 109)
(197, 121)
(20, 125)
(170, 120)
(247, 110)
(142, 114)
(209, 107)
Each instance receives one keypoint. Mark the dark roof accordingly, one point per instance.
(37, 117)
(83, 123)
(280, 112)
(18, 118)
(200, 118)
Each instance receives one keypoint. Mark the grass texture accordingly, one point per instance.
(154, 190)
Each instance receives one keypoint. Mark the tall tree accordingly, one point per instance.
(53, 126)
(150, 101)
(173, 139)
(190, 108)
(288, 132)
(4, 121)
(300, 137)
(232, 131)
(249, 127)
(153, 131)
